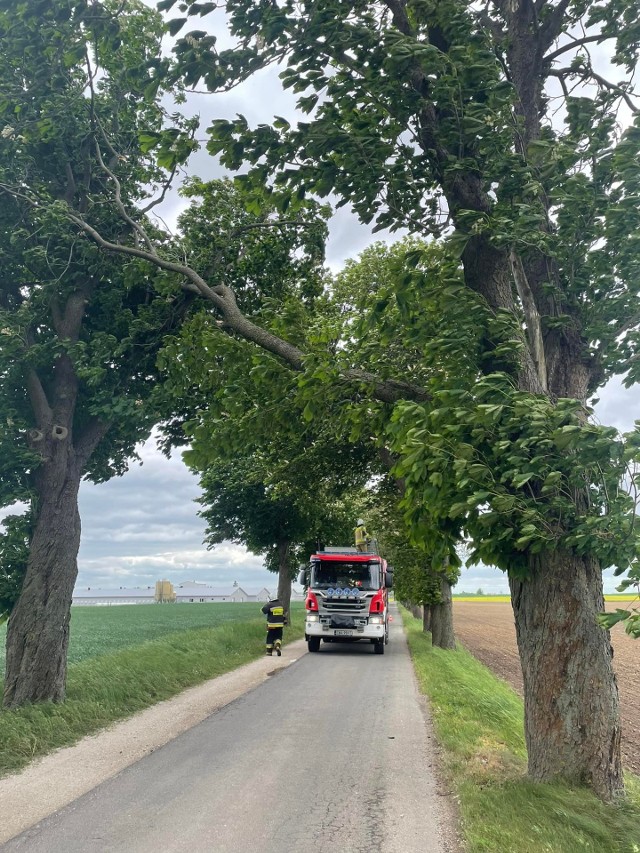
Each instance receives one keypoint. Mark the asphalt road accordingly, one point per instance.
(332, 753)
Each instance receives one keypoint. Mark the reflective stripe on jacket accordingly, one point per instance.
(275, 615)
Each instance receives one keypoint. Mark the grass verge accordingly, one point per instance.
(478, 721)
(113, 686)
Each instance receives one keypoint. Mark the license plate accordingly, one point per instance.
(344, 633)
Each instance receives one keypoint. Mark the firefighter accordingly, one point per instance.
(361, 536)
(276, 621)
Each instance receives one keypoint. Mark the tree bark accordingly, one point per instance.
(414, 609)
(442, 634)
(38, 629)
(284, 576)
(572, 726)
(426, 618)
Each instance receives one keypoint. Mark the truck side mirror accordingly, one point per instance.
(302, 577)
(388, 580)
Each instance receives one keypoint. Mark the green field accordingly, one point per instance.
(98, 631)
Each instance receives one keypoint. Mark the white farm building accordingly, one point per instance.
(189, 592)
(193, 591)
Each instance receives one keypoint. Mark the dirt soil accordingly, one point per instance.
(487, 630)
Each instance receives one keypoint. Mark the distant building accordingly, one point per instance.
(192, 592)
(91, 596)
(188, 592)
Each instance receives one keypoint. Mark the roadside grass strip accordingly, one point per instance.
(113, 686)
(478, 720)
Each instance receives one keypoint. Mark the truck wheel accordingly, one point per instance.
(379, 647)
(314, 644)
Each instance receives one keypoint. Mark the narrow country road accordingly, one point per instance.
(331, 753)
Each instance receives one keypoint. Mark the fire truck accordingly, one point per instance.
(347, 598)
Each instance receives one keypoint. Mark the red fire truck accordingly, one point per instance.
(347, 598)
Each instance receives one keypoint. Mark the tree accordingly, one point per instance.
(429, 116)
(268, 518)
(79, 330)
(242, 508)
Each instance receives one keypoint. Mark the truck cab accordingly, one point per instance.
(347, 598)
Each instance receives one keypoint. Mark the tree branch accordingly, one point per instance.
(390, 461)
(41, 409)
(67, 325)
(399, 13)
(138, 229)
(279, 223)
(198, 283)
(223, 298)
(552, 27)
(572, 45)
(532, 317)
(89, 439)
(386, 390)
(587, 74)
(632, 359)
(70, 191)
(165, 188)
(627, 325)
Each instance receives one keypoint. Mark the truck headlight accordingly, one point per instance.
(375, 620)
(313, 617)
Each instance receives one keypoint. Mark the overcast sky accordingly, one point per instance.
(144, 526)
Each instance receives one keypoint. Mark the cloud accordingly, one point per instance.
(144, 526)
(491, 581)
(618, 406)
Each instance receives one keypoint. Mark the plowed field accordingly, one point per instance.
(487, 630)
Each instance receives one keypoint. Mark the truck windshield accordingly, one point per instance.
(325, 575)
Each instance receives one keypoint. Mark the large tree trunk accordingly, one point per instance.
(572, 725)
(442, 634)
(38, 630)
(426, 618)
(414, 609)
(284, 576)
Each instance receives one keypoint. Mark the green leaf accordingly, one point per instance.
(175, 25)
